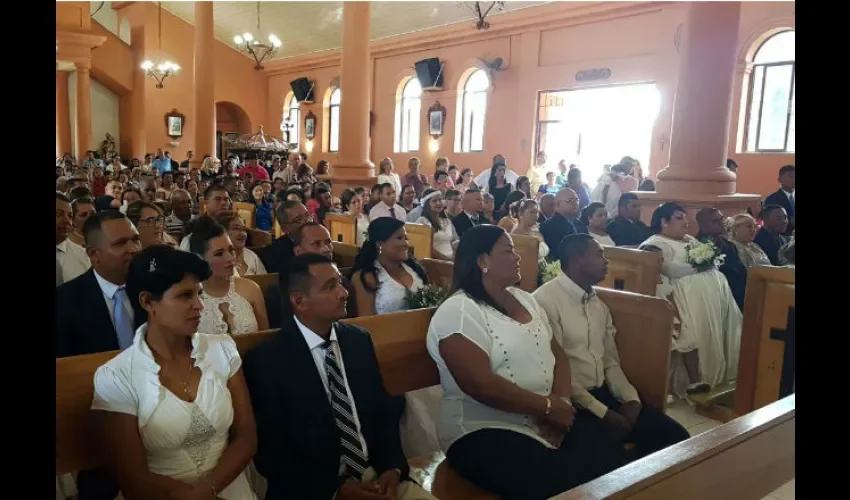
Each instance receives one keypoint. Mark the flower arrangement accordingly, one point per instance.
(547, 271)
(427, 296)
(703, 255)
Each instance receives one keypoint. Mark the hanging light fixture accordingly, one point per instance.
(482, 11)
(162, 70)
(260, 51)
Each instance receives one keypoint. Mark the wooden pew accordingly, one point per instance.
(345, 254)
(745, 459)
(632, 270)
(257, 238)
(343, 228)
(766, 367)
(421, 238)
(247, 211)
(263, 280)
(439, 271)
(528, 249)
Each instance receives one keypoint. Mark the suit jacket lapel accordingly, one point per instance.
(100, 317)
(303, 367)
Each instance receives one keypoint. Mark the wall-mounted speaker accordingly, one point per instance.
(303, 90)
(430, 74)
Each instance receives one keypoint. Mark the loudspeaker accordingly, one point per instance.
(303, 90)
(430, 73)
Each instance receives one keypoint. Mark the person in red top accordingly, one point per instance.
(254, 167)
(98, 181)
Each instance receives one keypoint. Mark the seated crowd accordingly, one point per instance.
(532, 399)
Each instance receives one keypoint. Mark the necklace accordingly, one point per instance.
(188, 378)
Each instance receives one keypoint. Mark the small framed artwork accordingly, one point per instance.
(436, 119)
(174, 121)
(310, 125)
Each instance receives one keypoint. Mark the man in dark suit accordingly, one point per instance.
(563, 223)
(711, 226)
(93, 313)
(785, 197)
(771, 235)
(626, 229)
(473, 202)
(291, 215)
(547, 208)
(326, 426)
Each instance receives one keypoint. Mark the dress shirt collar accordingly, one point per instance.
(471, 217)
(107, 287)
(312, 338)
(63, 247)
(575, 292)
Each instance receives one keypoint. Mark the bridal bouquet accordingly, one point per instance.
(704, 255)
(427, 296)
(547, 271)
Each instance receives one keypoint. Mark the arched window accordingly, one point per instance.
(770, 120)
(408, 110)
(333, 121)
(291, 115)
(474, 111)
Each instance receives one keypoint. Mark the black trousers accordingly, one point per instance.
(96, 484)
(517, 467)
(653, 430)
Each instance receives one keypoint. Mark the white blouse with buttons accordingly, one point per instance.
(518, 352)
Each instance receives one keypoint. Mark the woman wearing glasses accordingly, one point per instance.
(149, 220)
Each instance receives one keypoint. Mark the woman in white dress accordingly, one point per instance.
(742, 229)
(247, 261)
(174, 406)
(383, 272)
(710, 338)
(387, 176)
(352, 203)
(527, 225)
(232, 305)
(445, 238)
(595, 218)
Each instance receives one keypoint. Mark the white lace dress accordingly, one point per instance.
(418, 426)
(442, 239)
(212, 317)
(182, 440)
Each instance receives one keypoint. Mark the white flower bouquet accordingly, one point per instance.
(431, 295)
(547, 271)
(704, 255)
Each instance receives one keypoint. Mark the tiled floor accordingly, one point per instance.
(684, 413)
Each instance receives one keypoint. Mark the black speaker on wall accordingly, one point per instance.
(430, 73)
(303, 90)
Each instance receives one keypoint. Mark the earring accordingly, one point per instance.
(485, 270)
(380, 249)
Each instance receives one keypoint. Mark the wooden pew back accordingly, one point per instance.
(766, 368)
(632, 270)
(528, 248)
(439, 271)
(747, 458)
(345, 254)
(263, 280)
(420, 238)
(247, 211)
(342, 227)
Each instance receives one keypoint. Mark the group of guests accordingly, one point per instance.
(183, 418)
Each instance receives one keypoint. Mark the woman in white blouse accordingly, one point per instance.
(352, 203)
(527, 215)
(741, 229)
(247, 261)
(175, 409)
(232, 304)
(595, 218)
(387, 176)
(506, 423)
(445, 238)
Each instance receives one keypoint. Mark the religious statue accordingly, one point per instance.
(107, 147)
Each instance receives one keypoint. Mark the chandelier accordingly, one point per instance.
(260, 51)
(162, 70)
(481, 12)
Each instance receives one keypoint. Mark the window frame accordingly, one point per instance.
(404, 122)
(792, 87)
(331, 106)
(466, 126)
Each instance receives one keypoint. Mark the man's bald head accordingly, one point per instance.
(181, 204)
(566, 203)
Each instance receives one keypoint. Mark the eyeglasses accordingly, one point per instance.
(154, 221)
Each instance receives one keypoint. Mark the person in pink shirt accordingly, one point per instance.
(256, 169)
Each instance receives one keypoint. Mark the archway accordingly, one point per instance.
(230, 118)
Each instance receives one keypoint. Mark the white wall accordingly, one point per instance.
(104, 111)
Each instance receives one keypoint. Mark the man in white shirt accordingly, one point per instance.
(388, 207)
(71, 258)
(483, 178)
(181, 211)
(326, 426)
(581, 322)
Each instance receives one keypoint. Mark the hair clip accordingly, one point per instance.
(152, 266)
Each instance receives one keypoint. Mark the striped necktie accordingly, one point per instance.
(353, 456)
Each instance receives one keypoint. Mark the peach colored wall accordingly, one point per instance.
(635, 41)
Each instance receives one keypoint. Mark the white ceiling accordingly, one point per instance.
(306, 27)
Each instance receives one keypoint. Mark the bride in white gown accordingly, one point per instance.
(177, 417)
(710, 331)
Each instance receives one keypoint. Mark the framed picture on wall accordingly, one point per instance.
(310, 126)
(174, 124)
(436, 119)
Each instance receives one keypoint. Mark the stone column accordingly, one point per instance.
(83, 119)
(204, 90)
(696, 175)
(63, 115)
(354, 163)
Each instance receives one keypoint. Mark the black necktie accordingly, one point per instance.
(474, 220)
(352, 447)
(392, 212)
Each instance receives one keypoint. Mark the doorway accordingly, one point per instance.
(594, 127)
